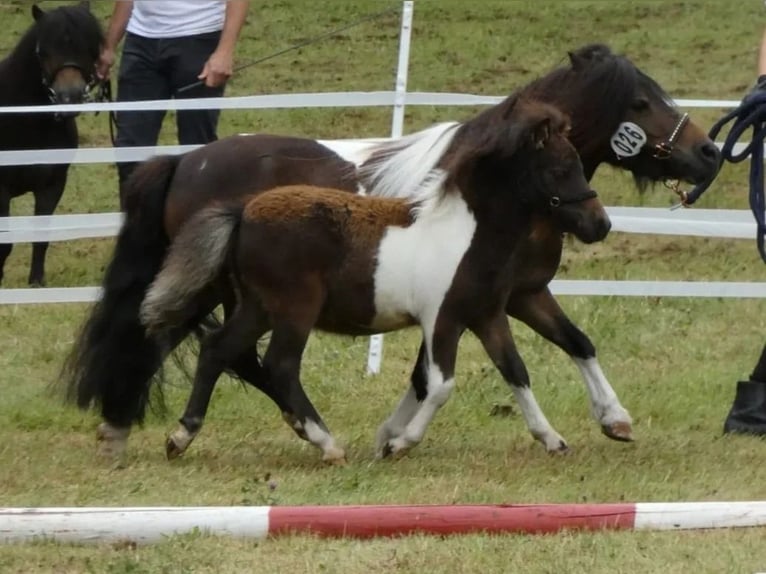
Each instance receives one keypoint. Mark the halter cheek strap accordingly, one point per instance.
(630, 140)
(556, 201)
(663, 149)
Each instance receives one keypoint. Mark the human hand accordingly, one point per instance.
(760, 85)
(105, 63)
(217, 69)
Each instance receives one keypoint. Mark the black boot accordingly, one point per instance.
(748, 413)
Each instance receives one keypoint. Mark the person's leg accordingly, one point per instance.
(188, 56)
(141, 77)
(748, 412)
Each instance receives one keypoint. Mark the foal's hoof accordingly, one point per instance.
(618, 431)
(335, 457)
(393, 450)
(177, 443)
(558, 448)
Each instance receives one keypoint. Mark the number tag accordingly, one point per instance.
(628, 140)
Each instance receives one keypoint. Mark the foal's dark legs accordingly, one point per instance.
(541, 312)
(282, 363)
(495, 336)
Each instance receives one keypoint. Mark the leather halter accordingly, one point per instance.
(663, 150)
(47, 80)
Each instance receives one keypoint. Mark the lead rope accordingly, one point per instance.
(751, 114)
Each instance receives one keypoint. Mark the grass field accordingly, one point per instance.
(674, 362)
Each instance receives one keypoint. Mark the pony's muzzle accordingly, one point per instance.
(594, 223)
(69, 87)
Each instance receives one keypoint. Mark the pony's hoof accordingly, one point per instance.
(618, 431)
(393, 450)
(112, 441)
(558, 449)
(177, 443)
(335, 457)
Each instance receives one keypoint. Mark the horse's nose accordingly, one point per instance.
(70, 95)
(709, 153)
(601, 227)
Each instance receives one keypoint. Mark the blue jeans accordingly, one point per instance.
(154, 69)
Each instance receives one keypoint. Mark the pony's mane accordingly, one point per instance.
(595, 89)
(408, 167)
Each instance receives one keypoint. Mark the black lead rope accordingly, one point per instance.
(307, 42)
(750, 115)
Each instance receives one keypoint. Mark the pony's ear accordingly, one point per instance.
(37, 12)
(591, 53)
(85, 4)
(541, 133)
(577, 61)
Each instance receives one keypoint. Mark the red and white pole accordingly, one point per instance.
(150, 524)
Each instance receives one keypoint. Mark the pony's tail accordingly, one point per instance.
(194, 262)
(112, 361)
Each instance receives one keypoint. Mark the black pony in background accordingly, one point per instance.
(54, 62)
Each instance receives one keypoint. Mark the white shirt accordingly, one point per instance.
(176, 18)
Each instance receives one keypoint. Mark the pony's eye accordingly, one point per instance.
(640, 105)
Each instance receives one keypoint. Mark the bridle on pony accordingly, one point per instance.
(101, 93)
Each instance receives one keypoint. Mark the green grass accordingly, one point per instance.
(673, 362)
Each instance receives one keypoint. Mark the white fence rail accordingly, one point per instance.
(697, 222)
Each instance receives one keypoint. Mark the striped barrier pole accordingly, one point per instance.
(153, 524)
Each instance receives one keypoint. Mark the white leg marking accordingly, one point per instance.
(439, 390)
(112, 440)
(604, 404)
(178, 441)
(536, 421)
(394, 425)
(325, 441)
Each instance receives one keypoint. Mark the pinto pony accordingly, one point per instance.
(298, 258)
(619, 115)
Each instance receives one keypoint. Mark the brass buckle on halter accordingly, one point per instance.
(662, 150)
(675, 186)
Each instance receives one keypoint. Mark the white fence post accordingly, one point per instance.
(375, 353)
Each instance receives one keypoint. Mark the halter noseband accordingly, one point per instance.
(48, 79)
(663, 150)
(556, 201)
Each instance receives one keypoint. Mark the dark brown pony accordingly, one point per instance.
(299, 258)
(609, 102)
(54, 62)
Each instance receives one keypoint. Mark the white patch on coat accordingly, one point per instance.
(416, 264)
(203, 165)
(604, 404)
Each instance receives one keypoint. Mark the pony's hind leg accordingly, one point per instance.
(218, 350)
(282, 362)
(495, 336)
(542, 313)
